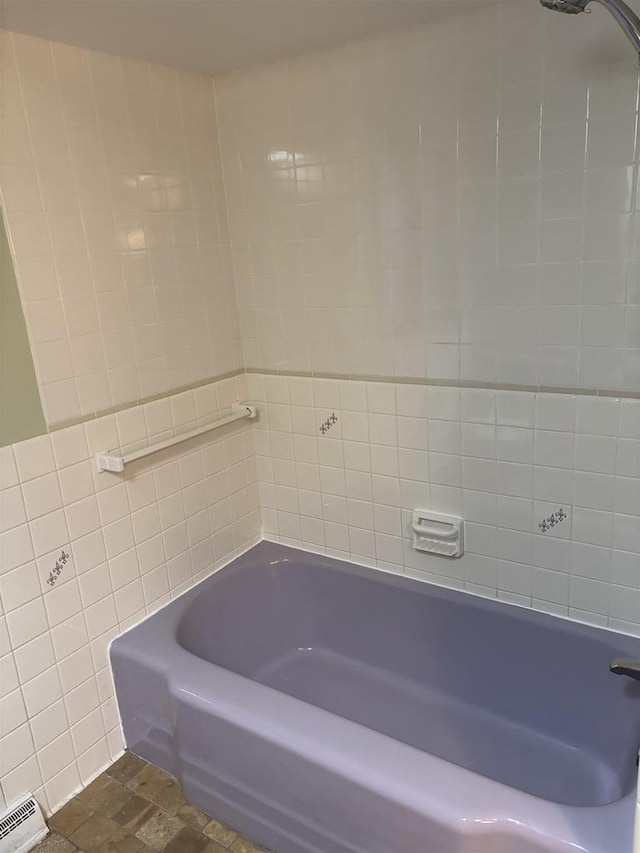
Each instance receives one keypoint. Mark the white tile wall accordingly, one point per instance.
(456, 202)
(503, 460)
(135, 541)
(111, 180)
(460, 201)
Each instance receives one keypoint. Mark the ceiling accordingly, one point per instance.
(213, 35)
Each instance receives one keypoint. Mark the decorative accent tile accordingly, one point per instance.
(550, 522)
(326, 425)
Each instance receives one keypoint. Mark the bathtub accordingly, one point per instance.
(321, 707)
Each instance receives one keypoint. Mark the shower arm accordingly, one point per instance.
(626, 18)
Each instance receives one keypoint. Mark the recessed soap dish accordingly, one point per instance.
(438, 533)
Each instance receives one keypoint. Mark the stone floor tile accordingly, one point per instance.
(169, 797)
(92, 788)
(122, 842)
(220, 832)
(110, 799)
(193, 817)
(159, 829)
(70, 817)
(187, 841)
(54, 843)
(126, 767)
(133, 812)
(134, 807)
(148, 781)
(93, 833)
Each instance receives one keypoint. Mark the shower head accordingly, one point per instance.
(566, 6)
(624, 15)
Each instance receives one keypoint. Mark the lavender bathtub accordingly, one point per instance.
(319, 707)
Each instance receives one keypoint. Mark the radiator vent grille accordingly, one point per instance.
(17, 816)
(21, 826)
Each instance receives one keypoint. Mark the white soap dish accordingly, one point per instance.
(438, 533)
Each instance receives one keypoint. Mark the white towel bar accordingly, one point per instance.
(115, 462)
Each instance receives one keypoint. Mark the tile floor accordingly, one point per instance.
(134, 807)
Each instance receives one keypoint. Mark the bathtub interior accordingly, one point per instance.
(522, 698)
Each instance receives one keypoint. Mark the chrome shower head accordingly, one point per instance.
(566, 6)
(624, 15)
